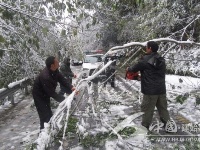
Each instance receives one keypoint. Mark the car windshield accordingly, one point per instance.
(92, 59)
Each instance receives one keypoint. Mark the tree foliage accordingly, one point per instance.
(27, 37)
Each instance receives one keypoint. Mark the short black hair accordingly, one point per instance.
(49, 61)
(153, 45)
(66, 60)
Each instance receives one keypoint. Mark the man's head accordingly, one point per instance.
(52, 63)
(151, 47)
(66, 60)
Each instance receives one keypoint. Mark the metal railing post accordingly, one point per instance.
(11, 98)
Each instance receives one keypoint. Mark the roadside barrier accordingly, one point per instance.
(12, 88)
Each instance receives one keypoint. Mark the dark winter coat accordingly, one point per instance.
(66, 70)
(152, 68)
(45, 85)
(111, 69)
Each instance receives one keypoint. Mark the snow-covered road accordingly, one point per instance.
(19, 124)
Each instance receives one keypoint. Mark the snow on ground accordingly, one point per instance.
(19, 124)
(188, 86)
(176, 86)
(180, 85)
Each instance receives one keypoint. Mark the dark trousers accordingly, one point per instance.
(111, 80)
(148, 105)
(64, 90)
(44, 110)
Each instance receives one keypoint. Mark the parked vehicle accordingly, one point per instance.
(90, 63)
(76, 62)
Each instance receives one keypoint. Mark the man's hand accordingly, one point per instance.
(73, 88)
(127, 68)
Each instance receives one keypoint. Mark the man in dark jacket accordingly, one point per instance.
(152, 68)
(44, 87)
(110, 71)
(68, 74)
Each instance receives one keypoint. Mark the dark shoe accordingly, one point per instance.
(112, 84)
(145, 126)
(164, 122)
